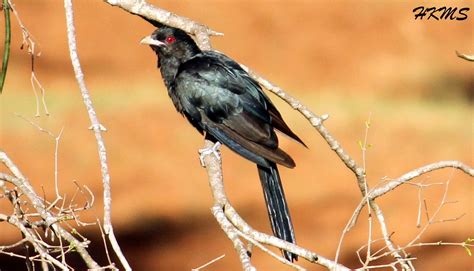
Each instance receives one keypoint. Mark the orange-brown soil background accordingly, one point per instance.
(350, 59)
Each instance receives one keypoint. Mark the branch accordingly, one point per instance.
(97, 128)
(315, 120)
(359, 172)
(465, 57)
(25, 187)
(31, 238)
(379, 191)
(232, 223)
(208, 263)
(214, 172)
(30, 45)
(157, 15)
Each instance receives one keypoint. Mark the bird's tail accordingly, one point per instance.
(277, 206)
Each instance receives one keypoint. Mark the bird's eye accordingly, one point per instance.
(170, 39)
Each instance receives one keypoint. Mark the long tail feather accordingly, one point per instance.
(276, 206)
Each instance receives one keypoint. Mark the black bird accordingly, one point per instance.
(223, 102)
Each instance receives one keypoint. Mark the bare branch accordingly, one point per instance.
(56, 148)
(25, 187)
(229, 219)
(145, 10)
(465, 57)
(30, 44)
(317, 123)
(71, 33)
(268, 251)
(208, 263)
(231, 233)
(379, 191)
(30, 237)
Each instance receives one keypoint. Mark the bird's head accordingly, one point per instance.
(168, 42)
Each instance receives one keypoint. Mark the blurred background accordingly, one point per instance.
(353, 60)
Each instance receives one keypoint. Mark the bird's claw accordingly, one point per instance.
(211, 150)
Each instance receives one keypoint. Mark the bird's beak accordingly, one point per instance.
(150, 41)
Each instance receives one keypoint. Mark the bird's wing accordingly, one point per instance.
(235, 78)
(229, 107)
(254, 89)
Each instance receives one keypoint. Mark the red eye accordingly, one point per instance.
(170, 39)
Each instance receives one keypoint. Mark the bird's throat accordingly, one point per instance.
(168, 67)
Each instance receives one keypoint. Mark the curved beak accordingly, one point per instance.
(150, 41)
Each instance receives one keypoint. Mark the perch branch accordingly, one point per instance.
(232, 223)
(214, 171)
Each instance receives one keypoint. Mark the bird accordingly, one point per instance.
(226, 105)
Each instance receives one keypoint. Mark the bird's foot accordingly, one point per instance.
(212, 150)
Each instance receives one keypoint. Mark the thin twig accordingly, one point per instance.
(35, 82)
(23, 185)
(32, 239)
(364, 146)
(465, 57)
(96, 127)
(104, 240)
(56, 148)
(379, 191)
(432, 217)
(268, 251)
(30, 47)
(405, 263)
(208, 263)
